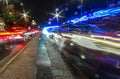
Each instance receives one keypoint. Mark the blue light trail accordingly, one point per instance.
(45, 30)
(97, 14)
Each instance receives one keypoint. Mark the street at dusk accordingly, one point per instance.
(60, 39)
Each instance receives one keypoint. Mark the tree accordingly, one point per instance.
(8, 19)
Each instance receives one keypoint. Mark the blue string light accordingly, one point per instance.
(97, 14)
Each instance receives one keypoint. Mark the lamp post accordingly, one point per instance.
(33, 23)
(25, 16)
(25, 19)
(57, 15)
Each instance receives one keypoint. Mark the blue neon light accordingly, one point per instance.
(118, 2)
(98, 14)
(46, 29)
(111, 5)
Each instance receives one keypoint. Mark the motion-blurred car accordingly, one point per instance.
(17, 34)
(5, 41)
(95, 64)
(97, 60)
(118, 33)
(32, 32)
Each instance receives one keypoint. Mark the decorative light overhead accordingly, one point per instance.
(25, 14)
(57, 14)
(97, 14)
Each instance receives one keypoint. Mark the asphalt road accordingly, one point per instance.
(12, 49)
(23, 64)
(40, 59)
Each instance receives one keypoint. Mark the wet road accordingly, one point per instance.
(12, 48)
(22, 65)
(42, 59)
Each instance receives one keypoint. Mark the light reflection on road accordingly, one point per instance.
(13, 49)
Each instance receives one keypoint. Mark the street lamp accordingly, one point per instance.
(34, 23)
(25, 16)
(57, 14)
(21, 4)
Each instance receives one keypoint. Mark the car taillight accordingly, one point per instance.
(19, 35)
(1, 39)
(37, 31)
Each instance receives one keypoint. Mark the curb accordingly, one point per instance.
(43, 63)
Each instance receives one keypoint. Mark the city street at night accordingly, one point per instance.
(60, 39)
(39, 62)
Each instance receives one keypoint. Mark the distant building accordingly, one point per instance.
(2, 25)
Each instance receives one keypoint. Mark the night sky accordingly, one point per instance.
(40, 9)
